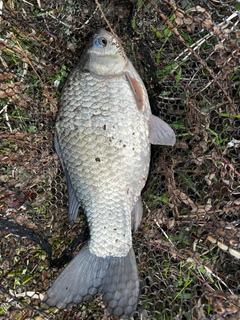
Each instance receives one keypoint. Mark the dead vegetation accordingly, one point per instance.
(188, 245)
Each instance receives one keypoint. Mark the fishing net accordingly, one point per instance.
(187, 246)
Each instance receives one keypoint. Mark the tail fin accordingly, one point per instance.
(86, 275)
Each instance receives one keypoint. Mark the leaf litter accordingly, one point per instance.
(188, 244)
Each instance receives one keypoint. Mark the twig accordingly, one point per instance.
(39, 4)
(30, 4)
(208, 270)
(26, 57)
(88, 20)
(197, 44)
(106, 20)
(231, 167)
(4, 110)
(224, 247)
(103, 14)
(177, 256)
(27, 294)
(1, 7)
(164, 232)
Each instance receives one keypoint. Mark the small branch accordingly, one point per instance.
(231, 167)
(103, 14)
(27, 59)
(224, 247)
(106, 20)
(4, 110)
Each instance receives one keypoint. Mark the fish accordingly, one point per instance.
(103, 134)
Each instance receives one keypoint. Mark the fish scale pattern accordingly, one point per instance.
(103, 136)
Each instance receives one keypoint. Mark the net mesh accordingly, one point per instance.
(187, 247)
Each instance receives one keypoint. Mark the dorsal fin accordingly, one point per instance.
(136, 88)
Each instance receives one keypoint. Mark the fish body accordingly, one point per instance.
(103, 134)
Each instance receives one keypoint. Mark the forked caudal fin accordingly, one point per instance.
(86, 275)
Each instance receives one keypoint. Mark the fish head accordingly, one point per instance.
(104, 55)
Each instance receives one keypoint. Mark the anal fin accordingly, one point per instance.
(136, 215)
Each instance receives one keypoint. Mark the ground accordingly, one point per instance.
(187, 246)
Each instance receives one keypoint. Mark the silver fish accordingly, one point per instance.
(103, 134)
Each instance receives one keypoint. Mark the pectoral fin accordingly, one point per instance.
(160, 132)
(136, 89)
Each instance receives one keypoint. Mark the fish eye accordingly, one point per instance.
(103, 41)
(100, 42)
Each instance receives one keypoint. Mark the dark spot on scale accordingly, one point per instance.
(116, 240)
(78, 108)
(97, 159)
(115, 229)
(124, 235)
(104, 127)
(133, 149)
(133, 133)
(124, 146)
(66, 288)
(127, 191)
